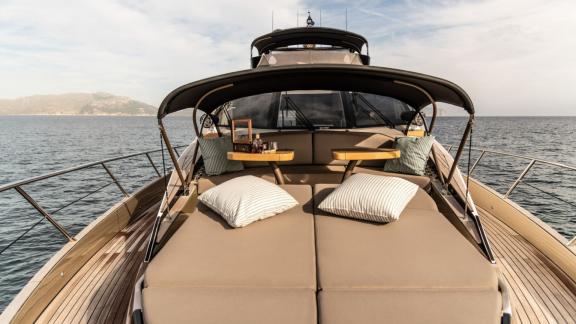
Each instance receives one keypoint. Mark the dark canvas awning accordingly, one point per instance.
(369, 79)
(309, 35)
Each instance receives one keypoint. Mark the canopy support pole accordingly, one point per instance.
(432, 101)
(171, 153)
(461, 148)
(197, 130)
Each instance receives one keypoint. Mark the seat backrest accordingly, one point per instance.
(326, 141)
(299, 141)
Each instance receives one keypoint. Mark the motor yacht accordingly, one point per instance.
(459, 251)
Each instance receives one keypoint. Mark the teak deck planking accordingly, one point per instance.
(540, 293)
(100, 292)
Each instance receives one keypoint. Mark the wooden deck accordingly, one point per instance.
(540, 293)
(101, 290)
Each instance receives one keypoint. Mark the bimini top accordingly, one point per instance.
(208, 94)
(309, 35)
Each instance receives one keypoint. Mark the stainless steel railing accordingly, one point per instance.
(531, 163)
(18, 187)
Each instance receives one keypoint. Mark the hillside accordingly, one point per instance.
(76, 104)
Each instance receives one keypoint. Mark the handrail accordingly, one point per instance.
(525, 157)
(75, 168)
(532, 162)
(525, 171)
(17, 186)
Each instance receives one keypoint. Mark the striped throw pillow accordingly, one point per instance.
(370, 197)
(214, 152)
(414, 153)
(247, 199)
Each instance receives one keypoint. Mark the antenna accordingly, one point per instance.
(297, 18)
(309, 20)
(346, 18)
(320, 17)
(272, 20)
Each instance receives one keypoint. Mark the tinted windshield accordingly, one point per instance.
(307, 109)
(315, 109)
(374, 110)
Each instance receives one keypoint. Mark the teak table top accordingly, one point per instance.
(282, 155)
(360, 153)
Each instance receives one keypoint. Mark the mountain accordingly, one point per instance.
(99, 103)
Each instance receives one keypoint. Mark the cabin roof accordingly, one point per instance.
(309, 35)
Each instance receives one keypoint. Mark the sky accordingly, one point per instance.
(513, 57)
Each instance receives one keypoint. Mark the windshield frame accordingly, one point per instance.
(345, 105)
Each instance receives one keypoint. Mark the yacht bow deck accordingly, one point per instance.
(100, 291)
(539, 292)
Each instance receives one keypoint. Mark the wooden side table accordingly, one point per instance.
(357, 154)
(271, 158)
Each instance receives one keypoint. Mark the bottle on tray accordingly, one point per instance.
(257, 144)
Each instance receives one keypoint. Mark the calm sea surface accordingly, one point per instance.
(31, 146)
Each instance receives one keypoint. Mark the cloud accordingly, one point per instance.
(143, 49)
(514, 57)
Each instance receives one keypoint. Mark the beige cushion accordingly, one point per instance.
(370, 197)
(411, 306)
(207, 182)
(305, 174)
(228, 305)
(422, 250)
(419, 269)
(325, 141)
(246, 199)
(206, 252)
(315, 174)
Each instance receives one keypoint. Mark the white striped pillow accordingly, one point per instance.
(370, 197)
(247, 199)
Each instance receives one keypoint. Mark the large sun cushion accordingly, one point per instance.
(266, 271)
(370, 197)
(420, 261)
(214, 153)
(244, 200)
(414, 152)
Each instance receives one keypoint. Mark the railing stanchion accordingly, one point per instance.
(517, 182)
(177, 153)
(44, 213)
(114, 179)
(477, 161)
(153, 165)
